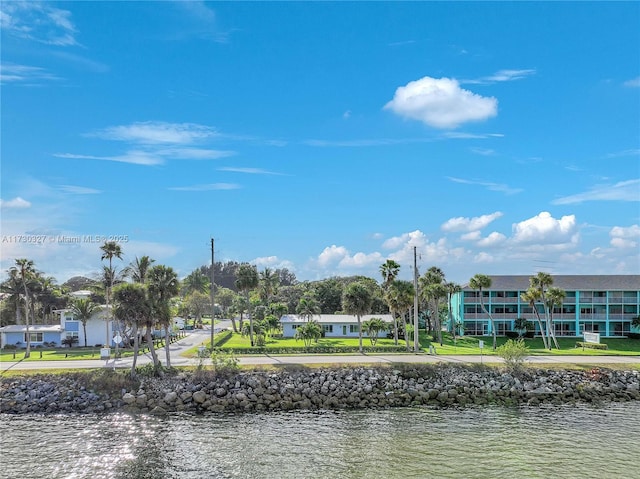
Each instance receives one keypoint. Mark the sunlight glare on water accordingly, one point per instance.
(490, 442)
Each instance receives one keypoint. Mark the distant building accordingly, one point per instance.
(333, 325)
(603, 304)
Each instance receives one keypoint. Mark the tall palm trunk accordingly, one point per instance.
(406, 330)
(395, 327)
(234, 325)
(27, 353)
(84, 332)
(493, 326)
(167, 343)
(250, 319)
(136, 347)
(152, 349)
(542, 333)
(359, 334)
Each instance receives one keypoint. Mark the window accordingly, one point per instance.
(353, 328)
(327, 328)
(71, 318)
(294, 326)
(35, 337)
(599, 294)
(470, 294)
(571, 294)
(72, 334)
(471, 309)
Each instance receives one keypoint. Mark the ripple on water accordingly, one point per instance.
(489, 442)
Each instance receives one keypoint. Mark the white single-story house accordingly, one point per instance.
(178, 322)
(333, 325)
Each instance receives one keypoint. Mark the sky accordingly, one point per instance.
(495, 138)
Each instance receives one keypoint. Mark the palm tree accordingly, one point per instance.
(452, 289)
(269, 282)
(356, 300)
(478, 282)
(401, 295)
(25, 271)
(308, 332)
(555, 297)
(196, 281)
(82, 309)
(373, 327)
(531, 296)
(521, 325)
(389, 271)
(139, 268)
(110, 250)
(132, 306)
(541, 282)
(163, 284)
(308, 307)
(13, 287)
(433, 293)
(247, 279)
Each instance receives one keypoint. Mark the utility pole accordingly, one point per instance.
(416, 345)
(213, 306)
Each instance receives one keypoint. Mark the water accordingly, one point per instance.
(490, 442)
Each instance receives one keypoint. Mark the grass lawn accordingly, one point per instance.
(465, 345)
(61, 354)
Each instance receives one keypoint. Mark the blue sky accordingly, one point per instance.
(497, 138)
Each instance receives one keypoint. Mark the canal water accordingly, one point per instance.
(489, 442)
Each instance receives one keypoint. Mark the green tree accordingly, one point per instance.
(531, 296)
(555, 298)
(26, 272)
(522, 325)
(480, 282)
(401, 296)
(83, 309)
(542, 281)
(356, 301)
(132, 306)
(110, 250)
(635, 322)
(268, 282)
(308, 307)
(452, 290)
(372, 327)
(308, 332)
(434, 293)
(196, 281)
(138, 269)
(225, 298)
(197, 304)
(163, 285)
(247, 279)
(389, 271)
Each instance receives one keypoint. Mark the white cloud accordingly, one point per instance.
(25, 74)
(332, 254)
(483, 257)
(622, 237)
(544, 230)
(361, 260)
(272, 262)
(629, 152)
(16, 203)
(38, 21)
(499, 187)
(346, 115)
(79, 190)
(494, 239)
(470, 224)
(157, 132)
(207, 187)
(441, 103)
(633, 83)
(193, 153)
(472, 236)
(622, 191)
(483, 151)
(251, 171)
(136, 157)
(415, 238)
(460, 135)
(502, 76)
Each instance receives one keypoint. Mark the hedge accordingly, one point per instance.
(634, 335)
(317, 350)
(222, 338)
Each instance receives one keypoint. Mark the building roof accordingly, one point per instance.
(36, 328)
(615, 282)
(334, 318)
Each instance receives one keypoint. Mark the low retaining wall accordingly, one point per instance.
(350, 388)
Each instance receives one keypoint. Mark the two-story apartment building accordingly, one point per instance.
(604, 304)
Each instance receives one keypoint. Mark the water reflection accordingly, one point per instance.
(568, 442)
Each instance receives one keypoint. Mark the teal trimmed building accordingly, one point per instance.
(604, 304)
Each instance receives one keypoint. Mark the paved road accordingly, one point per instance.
(199, 335)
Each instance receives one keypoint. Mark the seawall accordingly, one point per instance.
(314, 389)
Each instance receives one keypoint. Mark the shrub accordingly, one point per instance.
(224, 363)
(319, 350)
(634, 335)
(10, 347)
(512, 334)
(514, 353)
(582, 344)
